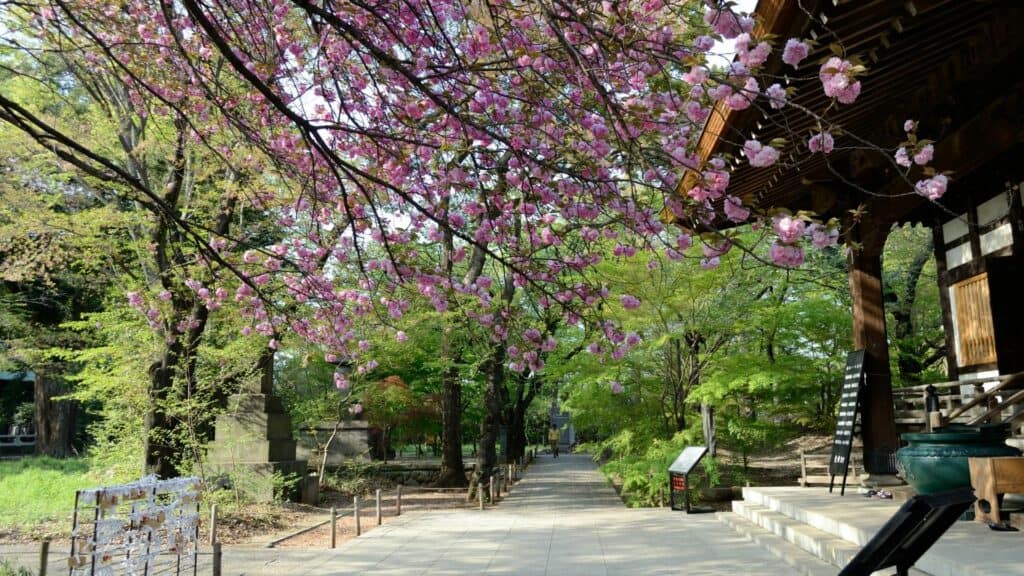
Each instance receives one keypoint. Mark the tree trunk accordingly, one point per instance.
(54, 420)
(707, 420)
(453, 470)
(159, 451)
(494, 369)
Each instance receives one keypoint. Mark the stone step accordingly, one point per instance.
(827, 547)
(771, 529)
(801, 563)
(967, 548)
(827, 523)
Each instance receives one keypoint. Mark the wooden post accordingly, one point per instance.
(379, 515)
(355, 511)
(216, 559)
(334, 527)
(803, 469)
(878, 416)
(661, 497)
(398, 501)
(480, 494)
(490, 488)
(213, 525)
(44, 553)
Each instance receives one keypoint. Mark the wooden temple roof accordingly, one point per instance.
(954, 65)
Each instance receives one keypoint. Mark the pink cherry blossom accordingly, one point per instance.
(401, 336)
(356, 409)
(712, 251)
(909, 126)
(787, 255)
(903, 157)
(703, 43)
(757, 56)
(742, 99)
(616, 387)
(734, 209)
(788, 229)
(760, 155)
(822, 236)
(776, 96)
(932, 188)
(837, 80)
(924, 155)
(821, 142)
(724, 22)
(629, 302)
(134, 299)
(795, 52)
(340, 381)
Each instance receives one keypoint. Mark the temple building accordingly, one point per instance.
(953, 66)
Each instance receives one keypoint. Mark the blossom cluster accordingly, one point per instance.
(406, 141)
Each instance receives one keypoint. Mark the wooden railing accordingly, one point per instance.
(1002, 402)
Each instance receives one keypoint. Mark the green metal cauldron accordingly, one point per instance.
(937, 461)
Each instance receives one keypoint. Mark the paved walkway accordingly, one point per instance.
(561, 520)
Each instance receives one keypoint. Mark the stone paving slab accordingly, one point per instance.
(562, 519)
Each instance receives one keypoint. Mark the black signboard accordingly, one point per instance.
(849, 405)
(678, 476)
(687, 459)
(918, 524)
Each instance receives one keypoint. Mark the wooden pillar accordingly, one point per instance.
(878, 417)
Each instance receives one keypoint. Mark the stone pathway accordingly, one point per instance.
(562, 519)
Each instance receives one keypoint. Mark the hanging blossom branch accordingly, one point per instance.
(398, 136)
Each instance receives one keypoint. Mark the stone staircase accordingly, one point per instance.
(799, 525)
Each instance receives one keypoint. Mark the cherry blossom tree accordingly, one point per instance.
(452, 148)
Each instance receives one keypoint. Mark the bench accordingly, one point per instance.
(814, 468)
(991, 478)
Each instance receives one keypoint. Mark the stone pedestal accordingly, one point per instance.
(253, 443)
(353, 442)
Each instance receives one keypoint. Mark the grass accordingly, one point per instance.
(7, 569)
(37, 490)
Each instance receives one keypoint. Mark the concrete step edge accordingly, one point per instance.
(804, 563)
(836, 528)
(823, 545)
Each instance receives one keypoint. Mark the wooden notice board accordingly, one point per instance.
(849, 406)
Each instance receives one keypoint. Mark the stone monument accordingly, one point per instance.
(254, 437)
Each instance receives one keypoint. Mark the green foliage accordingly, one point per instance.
(23, 414)
(913, 309)
(8, 569)
(642, 470)
(356, 478)
(112, 385)
(711, 470)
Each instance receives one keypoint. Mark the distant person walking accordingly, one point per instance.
(553, 436)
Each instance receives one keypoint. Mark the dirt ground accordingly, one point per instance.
(415, 500)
